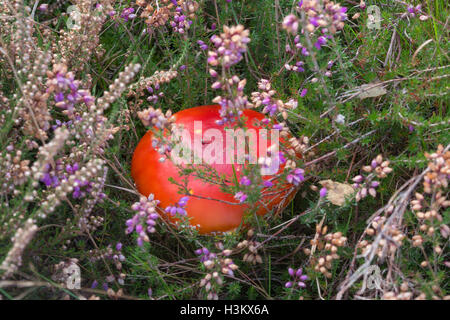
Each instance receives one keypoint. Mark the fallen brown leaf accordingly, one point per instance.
(337, 191)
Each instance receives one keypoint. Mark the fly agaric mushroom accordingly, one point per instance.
(209, 208)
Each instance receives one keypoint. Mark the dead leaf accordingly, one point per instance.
(337, 192)
(371, 90)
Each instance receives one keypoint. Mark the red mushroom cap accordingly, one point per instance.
(151, 176)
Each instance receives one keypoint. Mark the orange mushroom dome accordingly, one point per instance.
(208, 207)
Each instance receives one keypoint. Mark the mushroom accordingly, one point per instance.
(208, 207)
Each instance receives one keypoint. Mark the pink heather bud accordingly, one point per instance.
(374, 163)
(291, 272)
(304, 92)
(216, 85)
(363, 192)
(290, 23)
(358, 179)
(213, 73)
(267, 184)
(323, 192)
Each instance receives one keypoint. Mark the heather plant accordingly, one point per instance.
(358, 97)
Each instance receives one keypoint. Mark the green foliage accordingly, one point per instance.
(410, 119)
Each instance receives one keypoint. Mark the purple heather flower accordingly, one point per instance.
(414, 10)
(43, 7)
(179, 207)
(299, 65)
(288, 49)
(323, 192)
(127, 14)
(94, 284)
(320, 42)
(204, 254)
(297, 278)
(245, 181)
(278, 126)
(216, 85)
(290, 23)
(59, 97)
(202, 45)
(240, 196)
(304, 92)
(296, 176)
(314, 21)
(71, 169)
(291, 272)
(144, 220)
(46, 179)
(374, 184)
(374, 164)
(67, 92)
(180, 23)
(281, 158)
(305, 52)
(267, 184)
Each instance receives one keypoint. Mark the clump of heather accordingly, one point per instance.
(297, 279)
(228, 49)
(317, 23)
(267, 98)
(251, 247)
(324, 250)
(177, 13)
(144, 221)
(178, 208)
(422, 230)
(20, 240)
(366, 184)
(217, 266)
